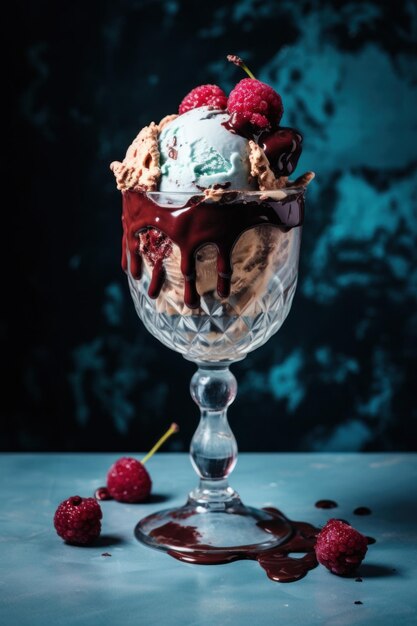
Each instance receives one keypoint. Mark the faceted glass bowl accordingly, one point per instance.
(224, 329)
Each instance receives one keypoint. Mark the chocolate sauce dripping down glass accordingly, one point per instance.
(196, 224)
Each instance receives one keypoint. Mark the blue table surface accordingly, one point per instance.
(44, 581)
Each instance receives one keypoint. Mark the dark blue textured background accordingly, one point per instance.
(80, 370)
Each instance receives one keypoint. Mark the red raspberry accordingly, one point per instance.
(128, 480)
(77, 520)
(256, 103)
(154, 245)
(340, 548)
(205, 95)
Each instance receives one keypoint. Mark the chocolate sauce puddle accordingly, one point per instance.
(176, 534)
(326, 504)
(277, 562)
(362, 510)
(196, 224)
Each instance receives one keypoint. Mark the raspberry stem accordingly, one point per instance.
(233, 58)
(174, 428)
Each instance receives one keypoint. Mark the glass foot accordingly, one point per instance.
(199, 534)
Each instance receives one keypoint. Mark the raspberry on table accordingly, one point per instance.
(256, 103)
(77, 520)
(340, 548)
(128, 480)
(205, 95)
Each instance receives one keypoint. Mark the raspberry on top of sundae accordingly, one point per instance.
(265, 152)
(198, 236)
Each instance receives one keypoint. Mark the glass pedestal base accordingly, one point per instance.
(205, 535)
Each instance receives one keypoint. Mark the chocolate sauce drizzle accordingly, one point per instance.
(282, 149)
(277, 562)
(282, 145)
(195, 224)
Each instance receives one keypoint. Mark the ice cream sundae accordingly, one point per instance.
(208, 207)
(211, 240)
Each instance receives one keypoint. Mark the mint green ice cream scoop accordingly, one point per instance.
(197, 152)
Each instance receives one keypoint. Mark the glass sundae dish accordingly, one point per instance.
(211, 240)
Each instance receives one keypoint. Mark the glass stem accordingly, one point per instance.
(213, 448)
